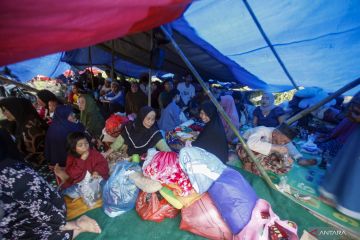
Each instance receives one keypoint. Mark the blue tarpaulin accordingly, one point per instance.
(318, 41)
(49, 66)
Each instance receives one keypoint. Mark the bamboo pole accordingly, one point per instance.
(112, 60)
(18, 84)
(91, 71)
(267, 40)
(219, 108)
(324, 101)
(150, 66)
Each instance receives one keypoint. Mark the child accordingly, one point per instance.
(81, 158)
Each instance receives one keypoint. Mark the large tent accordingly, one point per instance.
(318, 42)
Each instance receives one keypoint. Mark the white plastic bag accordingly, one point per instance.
(90, 189)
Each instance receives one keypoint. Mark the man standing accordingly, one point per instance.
(186, 89)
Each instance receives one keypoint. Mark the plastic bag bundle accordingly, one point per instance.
(165, 167)
(152, 207)
(90, 190)
(202, 218)
(202, 167)
(234, 198)
(120, 192)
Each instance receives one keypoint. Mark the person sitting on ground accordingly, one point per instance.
(135, 99)
(144, 83)
(116, 98)
(164, 97)
(141, 135)
(241, 108)
(47, 101)
(227, 102)
(340, 184)
(274, 147)
(268, 114)
(213, 137)
(30, 129)
(64, 123)
(32, 209)
(171, 115)
(80, 160)
(106, 88)
(74, 95)
(90, 115)
(186, 89)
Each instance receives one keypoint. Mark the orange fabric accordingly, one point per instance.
(77, 207)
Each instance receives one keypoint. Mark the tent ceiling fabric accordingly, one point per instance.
(33, 28)
(209, 62)
(103, 59)
(319, 41)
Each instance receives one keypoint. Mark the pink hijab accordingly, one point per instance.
(227, 102)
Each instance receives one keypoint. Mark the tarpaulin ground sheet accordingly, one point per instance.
(131, 226)
(305, 182)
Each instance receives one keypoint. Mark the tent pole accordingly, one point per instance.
(324, 101)
(219, 108)
(150, 66)
(270, 44)
(112, 60)
(91, 71)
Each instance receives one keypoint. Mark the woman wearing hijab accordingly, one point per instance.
(47, 101)
(90, 115)
(30, 129)
(268, 114)
(63, 124)
(140, 135)
(227, 102)
(32, 209)
(213, 137)
(135, 99)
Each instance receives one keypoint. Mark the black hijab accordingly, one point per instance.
(137, 137)
(213, 137)
(46, 96)
(56, 136)
(23, 111)
(8, 147)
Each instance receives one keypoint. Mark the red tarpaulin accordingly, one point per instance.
(32, 28)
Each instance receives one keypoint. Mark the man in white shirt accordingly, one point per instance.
(267, 140)
(186, 89)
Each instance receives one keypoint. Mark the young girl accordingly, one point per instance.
(81, 158)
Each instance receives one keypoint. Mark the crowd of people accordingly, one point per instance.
(65, 136)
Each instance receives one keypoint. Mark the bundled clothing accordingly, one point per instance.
(138, 138)
(30, 129)
(134, 101)
(91, 117)
(227, 102)
(76, 167)
(32, 208)
(213, 137)
(56, 136)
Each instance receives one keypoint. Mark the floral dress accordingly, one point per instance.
(32, 208)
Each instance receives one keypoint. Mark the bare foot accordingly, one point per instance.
(87, 224)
